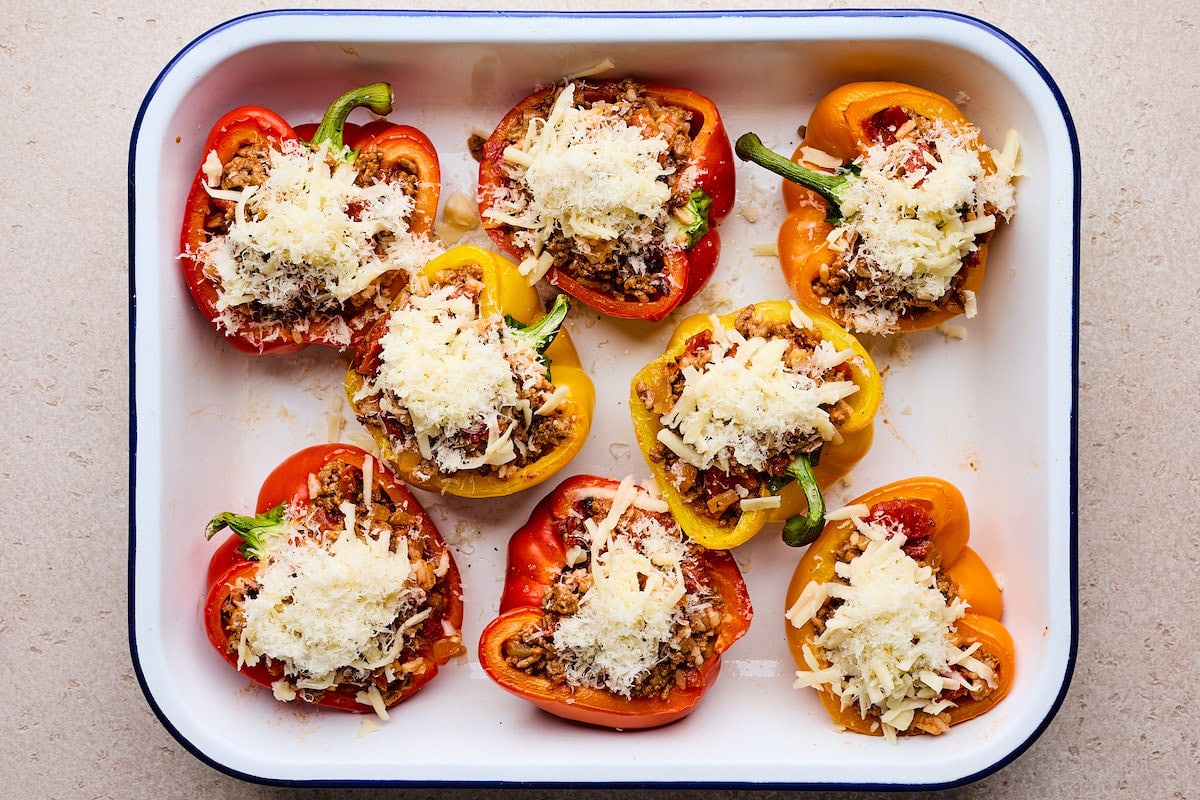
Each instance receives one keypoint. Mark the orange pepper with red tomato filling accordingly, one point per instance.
(845, 125)
(932, 515)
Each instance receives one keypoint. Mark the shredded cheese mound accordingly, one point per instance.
(322, 607)
(585, 173)
(635, 600)
(889, 646)
(305, 238)
(917, 210)
(742, 405)
(448, 368)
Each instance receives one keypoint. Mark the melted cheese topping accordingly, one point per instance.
(889, 645)
(321, 608)
(449, 368)
(586, 173)
(634, 601)
(909, 213)
(741, 405)
(295, 243)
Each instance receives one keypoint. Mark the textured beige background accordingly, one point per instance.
(75, 724)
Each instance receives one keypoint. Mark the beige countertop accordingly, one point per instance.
(76, 725)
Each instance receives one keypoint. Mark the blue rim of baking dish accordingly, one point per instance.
(965, 19)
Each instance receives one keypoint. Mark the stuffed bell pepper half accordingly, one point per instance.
(610, 615)
(612, 190)
(466, 386)
(892, 198)
(894, 620)
(747, 417)
(295, 236)
(339, 592)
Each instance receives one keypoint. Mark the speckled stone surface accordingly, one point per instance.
(75, 723)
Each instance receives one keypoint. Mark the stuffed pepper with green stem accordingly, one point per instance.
(466, 385)
(746, 417)
(892, 199)
(297, 236)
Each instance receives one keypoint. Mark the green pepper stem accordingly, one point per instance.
(254, 531)
(698, 205)
(831, 187)
(804, 529)
(541, 333)
(377, 97)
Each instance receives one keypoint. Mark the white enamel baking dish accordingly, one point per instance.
(993, 412)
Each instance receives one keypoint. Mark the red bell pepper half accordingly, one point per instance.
(304, 498)
(708, 159)
(394, 152)
(538, 556)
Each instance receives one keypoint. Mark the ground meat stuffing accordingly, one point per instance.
(841, 288)
(338, 482)
(248, 167)
(714, 492)
(696, 626)
(534, 438)
(613, 266)
(372, 168)
(475, 143)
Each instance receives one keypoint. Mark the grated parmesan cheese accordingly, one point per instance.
(749, 504)
(633, 603)
(952, 332)
(322, 608)
(212, 168)
(460, 215)
(820, 160)
(916, 211)
(448, 369)
(970, 304)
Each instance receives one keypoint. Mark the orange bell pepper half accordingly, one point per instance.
(940, 539)
(845, 124)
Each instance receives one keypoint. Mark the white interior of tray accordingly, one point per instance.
(990, 413)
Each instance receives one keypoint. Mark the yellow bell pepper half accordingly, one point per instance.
(837, 457)
(505, 292)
